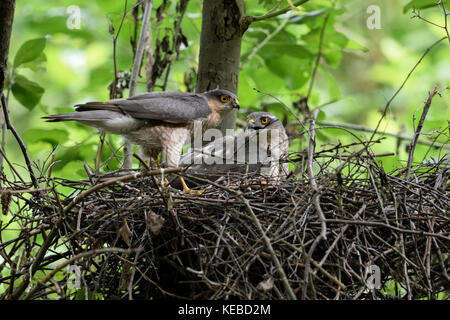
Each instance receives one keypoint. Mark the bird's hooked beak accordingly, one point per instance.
(236, 104)
(251, 125)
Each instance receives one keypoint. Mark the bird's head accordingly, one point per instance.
(262, 120)
(222, 98)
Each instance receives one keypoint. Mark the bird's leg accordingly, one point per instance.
(172, 155)
(189, 190)
(164, 180)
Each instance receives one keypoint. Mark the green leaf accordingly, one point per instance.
(27, 92)
(37, 64)
(291, 49)
(29, 51)
(333, 86)
(321, 116)
(266, 81)
(295, 72)
(419, 4)
(333, 57)
(354, 45)
(322, 136)
(52, 136)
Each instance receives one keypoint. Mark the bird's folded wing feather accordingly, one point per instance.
(239, 149)
(169, 107)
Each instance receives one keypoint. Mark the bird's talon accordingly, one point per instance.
(196, 192)
(163, 182)
(186, 189)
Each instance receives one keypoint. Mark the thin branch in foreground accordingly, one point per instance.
(419, 129)
(315, 199)
(319, 56)
(20, 142)
(441, 4)
(361, 128)
(268, 244)
(388, 104)
(175, 41)
(117, 180)
(265, 41)
(79, 256)
(128, 146)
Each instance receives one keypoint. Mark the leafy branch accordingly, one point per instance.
(416, 14)
(272, 14)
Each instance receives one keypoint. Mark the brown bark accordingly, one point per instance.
(223, 25)
(6, 20)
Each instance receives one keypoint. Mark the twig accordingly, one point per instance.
(441, 3)
(272, 14)
(73, 259)
(265, 41)
(116, 36)
(128, 146)
(261, 231)
(117, 180)
(98, 158)
(20, 142)
(361, 128)
(299, 121)
(269, 247)
(183, 7)
(318, 266)
(319, 55)
(140, 47)
(316, 199)
(381, 224)
(36, 262)
(312, 179)
(418, 130)
(149, 58)
(28, 190)
(11, 166)
(386, 108)
(340, 235)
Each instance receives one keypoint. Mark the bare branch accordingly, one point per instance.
(419, 129)
(19, 141)
(272, 14)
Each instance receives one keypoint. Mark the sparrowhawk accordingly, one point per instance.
(262, 148)
(159, 122)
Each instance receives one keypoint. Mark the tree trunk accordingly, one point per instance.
(6, 21)
(223, 25)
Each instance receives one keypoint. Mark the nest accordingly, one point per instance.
(358, 233)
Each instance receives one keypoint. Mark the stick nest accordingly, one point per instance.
(386, 236)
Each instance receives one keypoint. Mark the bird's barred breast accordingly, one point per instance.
(153, 138)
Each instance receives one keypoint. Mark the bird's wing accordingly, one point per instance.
(237, 149)
(173, 107)
(214, 151)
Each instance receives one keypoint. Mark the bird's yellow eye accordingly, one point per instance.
(264, 120)
(224, 98)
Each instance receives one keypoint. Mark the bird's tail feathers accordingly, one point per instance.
(94, 115)
(89, 106)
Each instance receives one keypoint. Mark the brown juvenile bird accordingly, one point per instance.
(159, 122)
